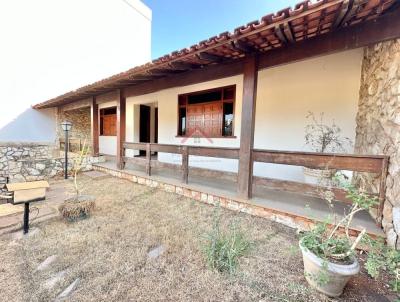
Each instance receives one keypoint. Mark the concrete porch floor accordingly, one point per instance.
(292, 204)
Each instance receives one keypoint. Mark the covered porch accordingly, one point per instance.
(314, 57)
(295, 204)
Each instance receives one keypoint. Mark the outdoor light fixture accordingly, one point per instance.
(66, 126)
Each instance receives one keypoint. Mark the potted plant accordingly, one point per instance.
(329, 252)
(323, 138)
(78, 206)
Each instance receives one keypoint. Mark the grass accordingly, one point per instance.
(223, 248)
(108, 252)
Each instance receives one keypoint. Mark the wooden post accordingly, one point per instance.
(94, 113)
(185, 164)
(382, 190)
(148, 159)
(245, 173)
(121, 122)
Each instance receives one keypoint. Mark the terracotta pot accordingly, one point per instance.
(318, 177)
(338, 274)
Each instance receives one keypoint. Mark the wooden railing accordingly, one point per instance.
(377, 164)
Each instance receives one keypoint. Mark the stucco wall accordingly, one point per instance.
(327, 84)
(31, 126)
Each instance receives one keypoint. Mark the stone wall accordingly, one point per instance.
(21, 162)
(378, 125)
(81, 124)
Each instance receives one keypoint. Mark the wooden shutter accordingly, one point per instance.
(213, 120)
(204, 120)
(110, 125)
(194, 119)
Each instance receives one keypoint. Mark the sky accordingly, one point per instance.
(181, 23)
(49, 47)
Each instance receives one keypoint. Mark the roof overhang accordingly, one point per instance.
(271, 34)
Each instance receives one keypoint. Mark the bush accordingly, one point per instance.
(223, 248)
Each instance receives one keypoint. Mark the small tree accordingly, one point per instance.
(78, 166)
(321, 137)
(79, 206)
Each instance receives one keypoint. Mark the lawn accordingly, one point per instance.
(109, 253)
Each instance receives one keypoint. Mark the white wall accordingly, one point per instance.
(31, 126)
(50, 47)
(286, 93)
(108, 144)
(328, 84)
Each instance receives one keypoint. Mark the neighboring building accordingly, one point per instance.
(237, 104)
(62, 45)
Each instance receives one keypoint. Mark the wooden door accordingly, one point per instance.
(144, 131)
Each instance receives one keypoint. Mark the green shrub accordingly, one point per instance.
(224, 247)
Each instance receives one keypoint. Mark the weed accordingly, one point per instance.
(223, 248)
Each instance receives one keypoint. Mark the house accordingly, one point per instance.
(224, 119)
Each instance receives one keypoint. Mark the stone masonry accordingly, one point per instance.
(81, 124)
(21, 162)
(378, 125)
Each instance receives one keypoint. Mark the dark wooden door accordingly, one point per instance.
(156, 125)
(144, 132)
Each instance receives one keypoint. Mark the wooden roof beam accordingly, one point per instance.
(183, 65)
(279, 33)
(141, 78)
(341, 13)
(205, 56)
(288, 32)
(242, 46)
(161, 72)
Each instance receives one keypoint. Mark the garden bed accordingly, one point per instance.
(109, 254)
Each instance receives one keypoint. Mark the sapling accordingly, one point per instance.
(79, 206)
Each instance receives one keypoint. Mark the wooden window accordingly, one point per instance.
(108, 121)
(207, 113)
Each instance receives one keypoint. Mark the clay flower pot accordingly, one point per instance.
(338, 274)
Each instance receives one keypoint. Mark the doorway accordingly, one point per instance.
(144, 128)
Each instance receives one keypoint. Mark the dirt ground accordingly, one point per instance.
(109, 253)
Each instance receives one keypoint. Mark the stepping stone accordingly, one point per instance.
(95, 174)
(156, 252)
(52, 281)
(65, 294)
(46, 263)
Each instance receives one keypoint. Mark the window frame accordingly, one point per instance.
(185, 97)
(101, 124)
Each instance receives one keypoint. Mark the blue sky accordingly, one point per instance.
(182, 23)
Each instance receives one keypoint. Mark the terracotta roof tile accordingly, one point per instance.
(307, 19)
